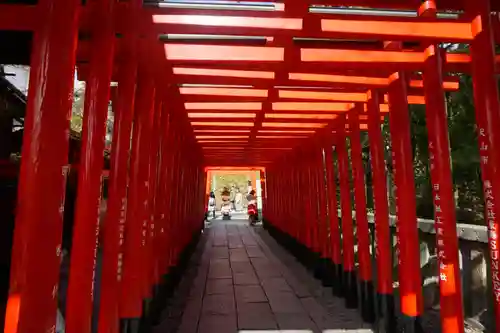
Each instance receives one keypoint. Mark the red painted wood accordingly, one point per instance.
(87, 222)
(114, 232)
(133, 277)
(450, 287)
(37, 249)
(486, 100)
(402, 160)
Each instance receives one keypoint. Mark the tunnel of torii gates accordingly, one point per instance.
(279, 86)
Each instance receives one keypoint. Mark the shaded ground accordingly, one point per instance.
(240, 280)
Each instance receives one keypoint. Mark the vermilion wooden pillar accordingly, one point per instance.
(381, 205)
(172, 197)
(362, 231)
(450, 287)
(263, 184)
(319, 178)
(312, 206)
(132, 282)
(300, 225)
(161, 243)
(32, 304)
(349, 278)
(323, 206)
(154, 200)
(178, 208)
(179, 204)
(160, 205)
(285, 227)
(269, 219)
(304, 184)
(486, 100)
(408, 245)
(87, 212)
(297, 202)
(114, 231)
(333, 218)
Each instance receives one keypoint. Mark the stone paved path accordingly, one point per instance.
(242, 281)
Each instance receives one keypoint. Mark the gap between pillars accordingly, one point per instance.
(349, 274)
(362, 231)
(336, 252)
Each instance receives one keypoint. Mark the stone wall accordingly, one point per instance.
(474, 256)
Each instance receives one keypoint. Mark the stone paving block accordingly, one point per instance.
(260, 261)
(287, 321)
(238, 252)
(249, 294)
(242, 267)
(319, 314)
(245, 279)
(218, 324)
(256, 316)
(220, 243)
(267, 272)
(244, 282)
(190, 317)
(219, 271)
(239, 258)
(282, 302)
(255, 252)
(219, 305)
(275, 284)
(219, 286)
(219, 253)
(248, 240)
(298, 288)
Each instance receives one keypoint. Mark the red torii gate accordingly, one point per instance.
(249, 95)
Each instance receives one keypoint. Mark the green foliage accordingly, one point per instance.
(464, 153)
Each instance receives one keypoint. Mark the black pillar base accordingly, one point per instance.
(158, 300)
(146, 319)
(130, 325)
(162, 293)
(367, 301)
(411, 324)
(312, 263)
(328, 278)
(319, 268)
(302, 253)
(387, 313)
(351, 289)
(338, 280)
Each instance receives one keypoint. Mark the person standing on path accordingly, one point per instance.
(211, 204)
(238, 200)
(232, 196)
